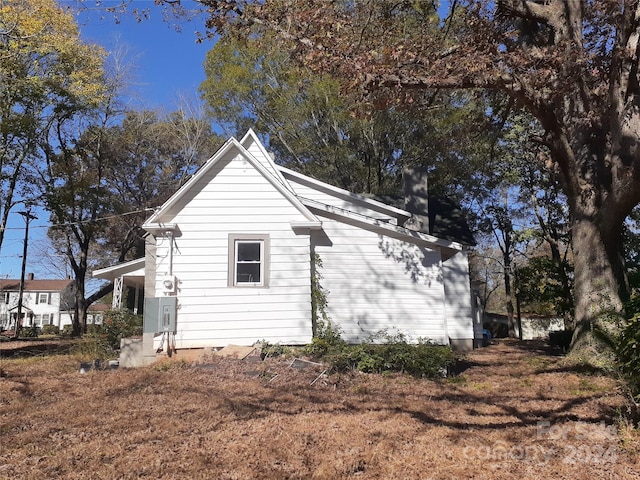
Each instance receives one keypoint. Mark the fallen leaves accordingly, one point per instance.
(222, 418)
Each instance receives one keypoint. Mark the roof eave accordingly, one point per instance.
(391, 210)
(449, 248)
(109, 273)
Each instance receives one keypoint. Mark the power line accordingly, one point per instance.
(99, 219)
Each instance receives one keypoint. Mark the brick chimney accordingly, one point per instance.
(416, 198)
(30, 276)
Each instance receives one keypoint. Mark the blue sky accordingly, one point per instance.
(166, 63)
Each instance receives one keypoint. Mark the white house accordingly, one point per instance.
(231, 255)
(44, 302)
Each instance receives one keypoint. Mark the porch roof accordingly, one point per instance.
(25, 309)
(132, 270)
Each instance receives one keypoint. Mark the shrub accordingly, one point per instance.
(30, 331)
(94, 329)
(383, 353)
(272, 350)
(326, 341)
(424, 359)
(92, 347)
(67, 330)
(50, 330)
(628, 345)
(103, 341)
(118, 324)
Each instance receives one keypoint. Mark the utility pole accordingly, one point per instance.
(28, 216)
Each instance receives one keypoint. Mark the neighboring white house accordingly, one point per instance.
(44, 302)
(231, 255)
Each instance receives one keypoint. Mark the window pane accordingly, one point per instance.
(248, 273)
(248, 252)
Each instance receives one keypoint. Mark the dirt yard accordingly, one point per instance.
(515, 412)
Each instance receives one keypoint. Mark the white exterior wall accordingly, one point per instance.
(536, 327)
(52, 308)
(256, 150)
(66, 318)
(375, 282)
(458, 298)
(234, 198)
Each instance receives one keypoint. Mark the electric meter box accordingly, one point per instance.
(160, 314)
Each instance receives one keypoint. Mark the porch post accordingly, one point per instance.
(117, 293)
(137, 299)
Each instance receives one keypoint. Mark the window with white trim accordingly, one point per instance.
(43, 298)
(248, 260)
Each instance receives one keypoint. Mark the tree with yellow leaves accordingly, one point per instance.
(46, 73)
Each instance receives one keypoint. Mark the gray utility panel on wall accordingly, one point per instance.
(160, 314)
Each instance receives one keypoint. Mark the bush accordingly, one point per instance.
(67, 330)
(30, 331)
(326, 341)
(628, 345)
(90, 348)
(103, 341)
(118, 324)
(424, 359)
(272, 350)
(94, 329)
(383, 353)
(50, 330)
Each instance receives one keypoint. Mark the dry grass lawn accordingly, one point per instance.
(515, 412)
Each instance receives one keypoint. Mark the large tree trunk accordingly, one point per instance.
(511, 326)
(600, 287)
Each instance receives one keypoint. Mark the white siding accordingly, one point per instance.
(374, 282)
(259, 154)
(353, 204)
(234, 198)
(32, 310)
(540, 327)
(458, 297)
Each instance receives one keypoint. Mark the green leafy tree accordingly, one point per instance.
(77, 196)
(539, 210)
(541, 288)
(306, 119)
(317, 128)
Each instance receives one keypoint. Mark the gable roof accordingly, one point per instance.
(448, 229)
(254, 152)
(446, 219)
(13, 285)
(231, 146)
(260, 153)
(351, 197)
(447, 247)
